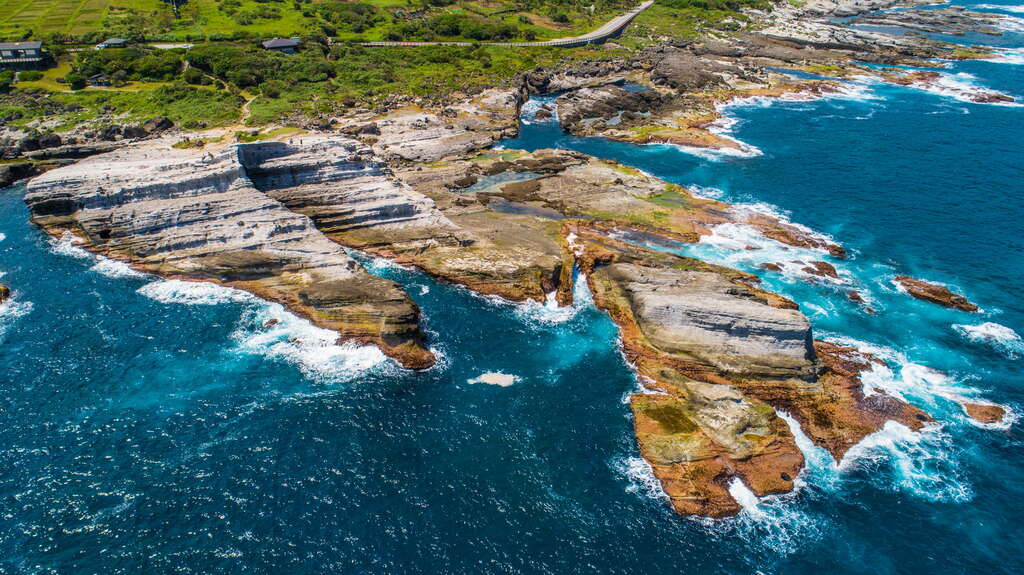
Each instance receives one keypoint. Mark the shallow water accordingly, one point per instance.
(157, 426)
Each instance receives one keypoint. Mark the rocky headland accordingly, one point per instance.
(202, 215)
(719, 357)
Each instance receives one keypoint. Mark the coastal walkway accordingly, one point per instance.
(611, 29)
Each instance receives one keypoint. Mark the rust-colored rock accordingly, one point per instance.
(821, 269)
(984, 412)
(935, 293)
(5, 293)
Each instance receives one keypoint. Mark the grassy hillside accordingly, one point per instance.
(201, 20)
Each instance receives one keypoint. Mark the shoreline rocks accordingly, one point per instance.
(197, 215)
(716, 376)
(935, 293)
(984, 412)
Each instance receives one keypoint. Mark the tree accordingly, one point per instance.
(76, 81)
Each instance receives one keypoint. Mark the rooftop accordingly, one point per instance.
(21, 45)
(281, 43)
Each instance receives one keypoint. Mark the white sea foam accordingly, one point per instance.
(497, 378)
(741, 245)
(920, 463)
(775, 524)
(960, 86)
(1008, 56)
(11, 310)
(528, 113)
(2, 237)
(821, 469)
(907, 380)
(640, 478)
(194, 293)
(115, 269)
(549, 312)
(69, 245)
(726, 124)
(1019, 8)
(268, 329)
(1000, 337)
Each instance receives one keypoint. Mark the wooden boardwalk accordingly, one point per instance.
(611, 29)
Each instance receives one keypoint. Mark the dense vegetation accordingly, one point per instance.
(67, 21)
(208, 84)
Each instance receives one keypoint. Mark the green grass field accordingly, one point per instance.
(198, 20)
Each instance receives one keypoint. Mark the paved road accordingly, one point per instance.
(612, 28)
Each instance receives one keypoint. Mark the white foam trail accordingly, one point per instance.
(745, 497)
(2, 237)
(116, 269)
(741, 245)
(776, 523)
(11, 310)
(194, 293)
(68, 245)
(640, 478)
(920, 463)
(270, 330)
(961, 86)
(706, 192)
(549, 313)
(1008, 56)
(909, 381)
(1005, 7)
(821, 468)
(1000, 337)
(528, 113)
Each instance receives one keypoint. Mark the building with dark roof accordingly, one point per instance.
(285, 45)
(112, 43)
(21, 55)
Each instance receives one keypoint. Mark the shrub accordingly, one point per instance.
(76, 81)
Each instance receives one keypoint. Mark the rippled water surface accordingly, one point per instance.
(156, 426)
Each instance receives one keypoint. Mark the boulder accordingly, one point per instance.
(935, 293)
(157, 124)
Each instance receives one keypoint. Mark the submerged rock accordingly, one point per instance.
(935, 293)
(5, 293)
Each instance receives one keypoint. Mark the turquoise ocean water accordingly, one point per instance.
(154, 426)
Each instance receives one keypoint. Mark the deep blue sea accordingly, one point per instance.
(151, 426)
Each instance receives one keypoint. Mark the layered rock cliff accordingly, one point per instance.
(198, 215)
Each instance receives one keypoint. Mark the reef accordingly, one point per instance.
(935, 293)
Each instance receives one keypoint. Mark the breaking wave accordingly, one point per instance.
(194, 293)
(69, 245)
(268, 329)
(271, 331)
(920, 463)
(998, 336)
(640, 478)
(115, 269)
